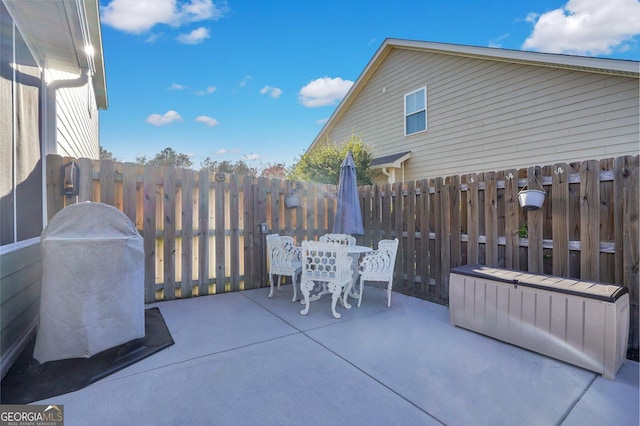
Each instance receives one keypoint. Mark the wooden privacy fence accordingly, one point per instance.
(201, 230)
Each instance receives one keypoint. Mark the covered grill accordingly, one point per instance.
(92, 296)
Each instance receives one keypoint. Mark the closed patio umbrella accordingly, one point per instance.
(348, 215)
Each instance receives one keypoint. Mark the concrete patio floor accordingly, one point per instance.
(243, 359)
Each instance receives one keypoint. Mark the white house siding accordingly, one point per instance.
(77, 120)
(21, 276)
(487, 115)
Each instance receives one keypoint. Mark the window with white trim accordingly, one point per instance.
(20, 152)
(415, 111)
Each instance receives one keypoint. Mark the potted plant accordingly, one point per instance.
(531, 199)
(291, 201)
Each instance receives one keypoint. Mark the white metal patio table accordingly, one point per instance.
(356, 252)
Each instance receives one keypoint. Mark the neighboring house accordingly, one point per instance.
(52, 84)
(434, 110)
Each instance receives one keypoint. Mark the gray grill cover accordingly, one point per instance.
(92, 296)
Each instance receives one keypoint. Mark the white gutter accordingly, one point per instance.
(50, 130)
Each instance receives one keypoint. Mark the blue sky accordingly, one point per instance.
(256, 80)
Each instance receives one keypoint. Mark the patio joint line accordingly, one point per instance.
(182, 361)
(577, 400)
(374, 378)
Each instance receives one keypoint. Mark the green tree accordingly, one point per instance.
(274, 171)
(167, 157)
(239, 167)
(106, 155)
(322, 164)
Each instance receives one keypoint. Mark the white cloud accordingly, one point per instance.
(497, 42)
(176, 86)
(221, 151)
(251, 157)
(160, 120)
(207, 91)
(245, 80)
(209, 121)
(585, 27)
(274, 92)
(153, 37)
(139, 16)
(324, 91)
(194, 37)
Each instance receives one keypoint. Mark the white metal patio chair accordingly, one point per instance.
(330, 265)
(378, 265)
(338, 238)
(284, 260)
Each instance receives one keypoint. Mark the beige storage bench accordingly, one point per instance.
(579, 322)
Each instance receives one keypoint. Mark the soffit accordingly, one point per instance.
(57, 32)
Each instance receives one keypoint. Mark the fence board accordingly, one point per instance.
(85, 181)
(186, 235)
(511, 220)
(491, 218)
(130, 191)
(203, 232)
(472, 219)
(589, 220)
(55, 200)
(455, 249)
(260, 240)
(274, 206)
(219, 199)
(424, 261)
(376, 215)
(289, 223)
(387, 212)
(310, 208)
(321, 213)
(398, 199)
(234, 233)
(442, 235)
(534, 221)
(366, 209)
(560, 213)
(410, 254)
(249, 230)
(607, 222)
(107, 182)
(149, 233)
(169, 232)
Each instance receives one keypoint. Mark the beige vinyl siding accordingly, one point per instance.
(488, 115)
(21, 276)
(77, 120)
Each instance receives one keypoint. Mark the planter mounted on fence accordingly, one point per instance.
(291, 201)
(531, 199)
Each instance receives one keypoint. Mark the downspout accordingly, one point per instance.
(386, 173)
(51, 113)
(51, 125)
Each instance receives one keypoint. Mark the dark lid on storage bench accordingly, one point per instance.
(572, 286)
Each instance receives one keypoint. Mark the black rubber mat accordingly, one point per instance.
(28, 380)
